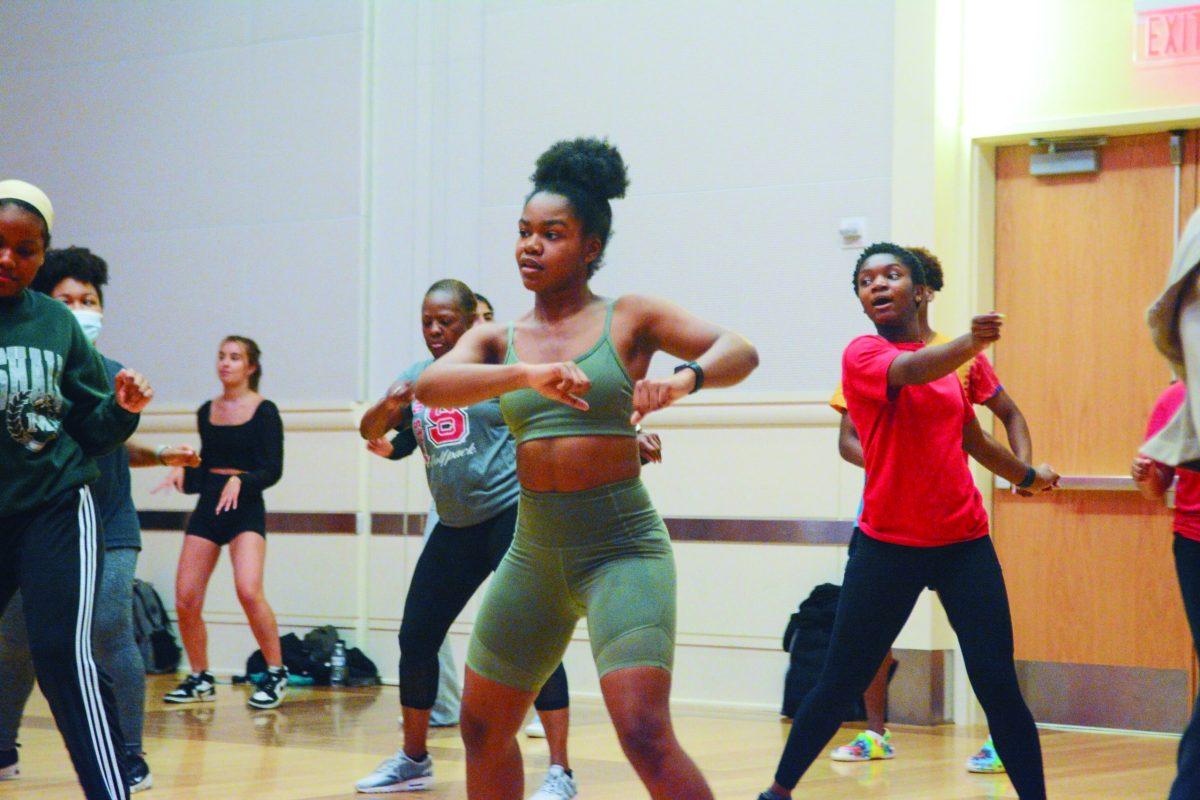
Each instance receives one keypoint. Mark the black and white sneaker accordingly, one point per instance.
(199, 687)
(9, 769)
(270, 688)
(138, 773)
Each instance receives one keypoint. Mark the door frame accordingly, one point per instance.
(976, 245)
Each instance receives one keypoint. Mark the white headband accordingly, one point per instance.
(13, 189)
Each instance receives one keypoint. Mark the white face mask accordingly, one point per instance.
(91, 322)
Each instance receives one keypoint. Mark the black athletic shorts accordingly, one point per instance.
(250, 515)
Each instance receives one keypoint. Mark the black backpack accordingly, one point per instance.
(806, 639)
(309, 658)
(152, 630)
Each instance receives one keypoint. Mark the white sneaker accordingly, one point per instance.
(557, 786)
(197, 687)
(535, 729)
(269, 689)
(398, 774)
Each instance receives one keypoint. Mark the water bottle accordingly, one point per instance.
(337, 664)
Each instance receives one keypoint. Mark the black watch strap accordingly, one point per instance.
(696, 368)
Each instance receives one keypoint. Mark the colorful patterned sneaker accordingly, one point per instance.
(269, 689)
(199, 687)
(867, 746)
(557, 786)
(398, 774)
(8, 765)
(986, 760)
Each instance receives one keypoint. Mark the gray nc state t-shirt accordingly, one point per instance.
(470, 458)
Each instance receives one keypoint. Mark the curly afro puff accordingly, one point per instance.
(71, 262)
(589, 173)
(903, 255)
(933, 267)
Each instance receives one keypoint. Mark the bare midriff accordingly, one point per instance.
(576, 463)
(226, 471)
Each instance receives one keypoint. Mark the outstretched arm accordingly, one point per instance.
(1010, 416)
(471, 373)
(174, 456)
(993, 456)
(930, 363)
(724, 357)
(388, 412)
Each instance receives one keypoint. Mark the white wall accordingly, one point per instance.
(750, 130)
(301, 171)
(211, 152)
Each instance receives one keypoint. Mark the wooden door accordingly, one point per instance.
(1101, 637)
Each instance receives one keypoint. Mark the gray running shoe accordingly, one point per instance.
(557, 786)
(398, 774)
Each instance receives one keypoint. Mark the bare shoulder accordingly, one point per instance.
(642, 310)
(643, 306)
(488, 339)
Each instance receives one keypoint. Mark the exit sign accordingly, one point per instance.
(1167, 33)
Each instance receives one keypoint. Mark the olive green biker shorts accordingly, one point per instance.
(602, 553)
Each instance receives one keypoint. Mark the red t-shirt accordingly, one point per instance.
(919, 489)
(1187, 490)
(982, 381)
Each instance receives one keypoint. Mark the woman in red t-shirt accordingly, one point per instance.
(1153, 480)
(923, 523)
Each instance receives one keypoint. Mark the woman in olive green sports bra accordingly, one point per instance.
(570, 375)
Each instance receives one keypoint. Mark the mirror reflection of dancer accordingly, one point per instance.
(241, 453)
(470, 463)
(76, 277)
(60, 412)
(916, 421)
(983, 388)
(570, 375)
(1153, 480)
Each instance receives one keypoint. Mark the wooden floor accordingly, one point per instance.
(320, 741)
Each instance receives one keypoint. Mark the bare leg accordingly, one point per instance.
(638, 700)
(196, 562)
(557, 723)
(492, 714)
(875, 698)
(248, 551)
(416, 729)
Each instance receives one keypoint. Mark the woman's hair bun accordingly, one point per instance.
(592, 165)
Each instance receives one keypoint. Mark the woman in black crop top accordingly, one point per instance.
(241, 455)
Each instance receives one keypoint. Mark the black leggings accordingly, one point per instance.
(1187, 566)
(881, 587)
(453, 564)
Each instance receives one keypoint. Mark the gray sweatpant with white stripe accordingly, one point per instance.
(53, 555)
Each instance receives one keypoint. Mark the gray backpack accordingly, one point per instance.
(152, 630)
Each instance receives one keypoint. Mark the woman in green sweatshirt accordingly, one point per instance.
(59, 413)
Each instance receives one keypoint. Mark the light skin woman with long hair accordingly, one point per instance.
(241, 454)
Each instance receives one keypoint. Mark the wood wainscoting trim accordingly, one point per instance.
(682, 529)
(1103, 696)
(917, 693)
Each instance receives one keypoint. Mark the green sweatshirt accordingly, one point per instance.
(57, 405)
